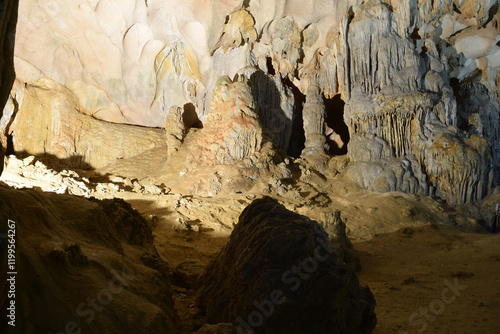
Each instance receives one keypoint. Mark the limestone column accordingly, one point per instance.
(314, 121)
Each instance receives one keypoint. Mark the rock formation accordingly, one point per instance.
(89, 263)
(176, 129)
(410, 73)
(401, 107)
(278, 273)
(314, 122)
(232, 130)
(342, 247)
(177, 104)
(45, 119)
(8, 20)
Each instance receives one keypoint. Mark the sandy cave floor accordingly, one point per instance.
(406, 269)
(411, 248)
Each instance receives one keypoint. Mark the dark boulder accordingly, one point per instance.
(278, 274)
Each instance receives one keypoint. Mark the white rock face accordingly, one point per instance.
(129, 61)
(401, 67)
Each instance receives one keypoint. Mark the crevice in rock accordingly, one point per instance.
(415, 35)
(9, 150)
(270, 67)
(297, 142)
(7, 72)
(336, 131)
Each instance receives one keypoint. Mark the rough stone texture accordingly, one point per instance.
(8, 20)
(257, 263)
(176, 129)
(286, 46)
(232, 131)
(394, 63)
(84, 249)
(402, 113)
(276, 106)
(342, 247)
(47, 122)
(238, 30)
(314, 122)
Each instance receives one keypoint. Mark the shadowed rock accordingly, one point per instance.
(279, 274)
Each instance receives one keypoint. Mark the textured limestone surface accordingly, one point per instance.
(402, 85)
(47, 120)
(232, 131)
(85, 253)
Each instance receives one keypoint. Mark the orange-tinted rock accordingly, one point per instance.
(232, 130)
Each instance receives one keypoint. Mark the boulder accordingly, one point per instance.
(88, 264)
(279, 274)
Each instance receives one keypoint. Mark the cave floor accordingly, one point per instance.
(433, 279)
(431, 268)
(407, 269)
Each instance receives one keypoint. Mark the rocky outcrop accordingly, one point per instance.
(176, 130)
(342, 247)
(394, 64)
(45, 119)
(276, 107)
(278, 273)
(238, 30)
(402, 109)
(232, 130)
(89, 263)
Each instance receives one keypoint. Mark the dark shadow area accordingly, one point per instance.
(338, 139)
(190, 117)
(51, 161)
(282, 127)
(270, 67)
(9, 150)
(491, 15)
(8, 17)
(298, 139)
(467, 103)
(8, 23)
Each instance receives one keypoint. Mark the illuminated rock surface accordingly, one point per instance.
(395, 73)
(384, 110)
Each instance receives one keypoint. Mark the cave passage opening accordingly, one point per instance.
(190, 117)
(336, 131)
(9, 150)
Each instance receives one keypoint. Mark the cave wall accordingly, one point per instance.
(8, 20)
(419, 78)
